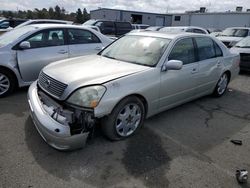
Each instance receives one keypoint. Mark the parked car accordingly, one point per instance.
(190, 29)
(113, 28)
(140, 26)
(243, 48)
(137, 76)
(153, 28)
(25, 51)
(9, 24)
(43, 21)
(232, 35)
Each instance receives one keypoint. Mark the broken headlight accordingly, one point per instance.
(88, 96)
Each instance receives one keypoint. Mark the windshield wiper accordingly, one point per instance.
(108, 57)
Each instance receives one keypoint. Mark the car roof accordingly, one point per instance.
(48, 26)
(238, 28)
(165, 34)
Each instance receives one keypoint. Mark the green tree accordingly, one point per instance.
(58, 12)
(86, 15)
(79, 16)
(51, 13)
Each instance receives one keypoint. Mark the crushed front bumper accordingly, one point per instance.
(54, 133)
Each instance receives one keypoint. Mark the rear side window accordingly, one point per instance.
(123, 24)
(183, 51)
(80, 36)
(205, 47)
(218, 51)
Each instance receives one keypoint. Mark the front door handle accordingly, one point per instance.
(62, 52)
(98, 48)
(194, 70)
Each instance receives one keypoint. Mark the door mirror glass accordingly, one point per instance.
(24, 45)
(172, 65)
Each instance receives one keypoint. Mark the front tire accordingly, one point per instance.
(7, 83)
(125, 120)
(221, 86)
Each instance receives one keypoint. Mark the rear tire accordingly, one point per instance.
(7, 83)
(221, 86)
(125, 120)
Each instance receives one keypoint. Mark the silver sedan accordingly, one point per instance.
(26, 50)
(137, 76)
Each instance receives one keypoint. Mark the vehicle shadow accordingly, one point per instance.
(102, 163)
(16, 103)
(200, 125)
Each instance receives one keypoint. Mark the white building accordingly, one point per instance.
(216, 20)
(152, 19)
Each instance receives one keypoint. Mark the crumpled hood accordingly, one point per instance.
(229, 39)
(90, 70)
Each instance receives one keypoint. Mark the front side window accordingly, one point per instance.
(47, 38)
(231, 32)
(140, 50)
(80, 36)
(205, 47)
(183, 51)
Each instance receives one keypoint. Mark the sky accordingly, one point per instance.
(156, 6)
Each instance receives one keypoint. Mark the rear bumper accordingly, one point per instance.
(55, 134)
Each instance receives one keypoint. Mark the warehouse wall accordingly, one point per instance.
(216, 20)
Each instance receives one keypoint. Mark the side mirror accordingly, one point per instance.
(24, 45)
(172, 65)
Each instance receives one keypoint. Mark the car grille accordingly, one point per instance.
(245, 57)
(51, 85)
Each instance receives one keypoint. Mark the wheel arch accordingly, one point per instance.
(228, 74)
(10, 71)
(140, 97)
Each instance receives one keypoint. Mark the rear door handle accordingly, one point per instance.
(218, 63)
(62, 52)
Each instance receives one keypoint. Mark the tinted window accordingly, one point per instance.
(123, 24)
(218, 51)
(205, 47)
(47, 38)
(79, 36)
(199, 31)
(183, 51)
(108, 24)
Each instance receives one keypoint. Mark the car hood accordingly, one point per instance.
(229, 39)
(90, 70)
(236, 50)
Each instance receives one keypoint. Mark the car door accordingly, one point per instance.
(46, 46)
(178, 86)
(210, 64)
(83, 42)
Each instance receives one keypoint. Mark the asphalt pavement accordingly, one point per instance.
(188, 146)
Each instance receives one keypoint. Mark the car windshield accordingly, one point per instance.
(14, 34)
(142, 50)
(244, 43)
(89, 22)
(235, 32)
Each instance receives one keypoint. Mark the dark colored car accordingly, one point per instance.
(114, 28)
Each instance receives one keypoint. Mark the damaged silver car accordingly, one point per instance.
(137, 76)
